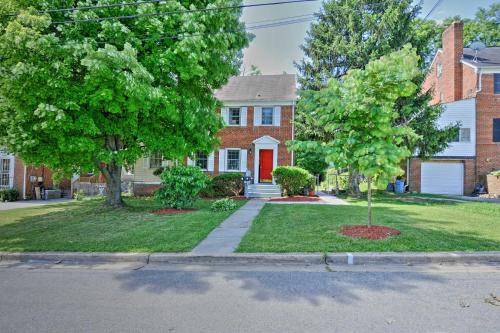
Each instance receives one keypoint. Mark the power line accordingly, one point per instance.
(438, 2)
(128, 17)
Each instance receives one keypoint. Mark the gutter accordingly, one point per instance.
(293, 129)
(478, 90)
(24, 182)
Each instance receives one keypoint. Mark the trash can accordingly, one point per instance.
(400, 186)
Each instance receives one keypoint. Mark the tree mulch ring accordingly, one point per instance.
(298, 198)
(171, 211)
(373, 232)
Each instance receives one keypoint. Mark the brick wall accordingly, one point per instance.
(469, 174)
(487, 108)
(243, 137)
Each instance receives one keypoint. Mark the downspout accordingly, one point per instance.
(478, 90)
(24, 181)
(293, 129)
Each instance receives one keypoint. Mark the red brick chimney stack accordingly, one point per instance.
(453, 47)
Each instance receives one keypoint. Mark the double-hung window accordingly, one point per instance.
(155, 161)
(463, 135)
(234, 116)
(267, 116)
(5, 172)
(201, 161)
(233, 160)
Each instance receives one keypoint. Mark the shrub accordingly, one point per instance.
(224, 185)
(181, 186)
(495, 173)
(9, 195)
(223, 205)
(293, 179)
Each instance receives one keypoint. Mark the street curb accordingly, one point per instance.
(76, 256)
(360, 258)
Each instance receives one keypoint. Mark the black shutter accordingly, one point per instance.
(496, 130)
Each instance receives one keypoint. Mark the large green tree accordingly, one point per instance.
(359, 112)
(94, 93)
(350, 33)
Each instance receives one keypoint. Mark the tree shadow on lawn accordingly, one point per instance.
(285, 286)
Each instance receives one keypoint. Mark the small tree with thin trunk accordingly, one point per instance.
(360, 111)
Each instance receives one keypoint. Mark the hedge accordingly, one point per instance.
(293, 180)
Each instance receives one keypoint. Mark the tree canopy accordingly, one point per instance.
(350, 33)
(359, 112)
(82, 89)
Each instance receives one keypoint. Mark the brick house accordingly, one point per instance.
(14, 173)
(467, 83)
(258, 112)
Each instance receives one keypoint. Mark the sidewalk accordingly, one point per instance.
(31, 203)
(225, 238)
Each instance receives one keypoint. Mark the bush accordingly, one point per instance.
(223, 205)
(224, 185)
(9, 195)
(181, 186)
(293, 179)
(495, 173)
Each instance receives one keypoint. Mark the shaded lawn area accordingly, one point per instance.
(88, 226)
(425, 225)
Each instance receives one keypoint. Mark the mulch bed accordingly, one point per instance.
(373, 232)
(297, 198)
(170, 211)
(239, 198)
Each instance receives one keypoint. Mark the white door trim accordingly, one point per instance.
(265, 143)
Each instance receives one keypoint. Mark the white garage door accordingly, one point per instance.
(442, 178)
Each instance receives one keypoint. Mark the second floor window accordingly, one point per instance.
(496, 80)
(233, 160)
(202, 161)
(267, 116)
(463, 135)
(155, 161)
(234, 116)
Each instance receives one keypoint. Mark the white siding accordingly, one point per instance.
(463, 111)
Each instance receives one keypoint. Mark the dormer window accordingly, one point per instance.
(439, 70)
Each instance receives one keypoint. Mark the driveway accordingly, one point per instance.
(30, 203)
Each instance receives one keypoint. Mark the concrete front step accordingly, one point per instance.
(263, 191)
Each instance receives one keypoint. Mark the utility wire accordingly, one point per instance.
(438, 2)
(128, 17)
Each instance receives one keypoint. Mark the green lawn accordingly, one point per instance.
(89, 226)
(426, 225)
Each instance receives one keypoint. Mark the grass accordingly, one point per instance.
(425, 225)
(88, 226)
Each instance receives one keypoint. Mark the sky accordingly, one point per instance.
(275, 49)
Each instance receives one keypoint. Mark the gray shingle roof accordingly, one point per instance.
(487, 57)
(259, 88)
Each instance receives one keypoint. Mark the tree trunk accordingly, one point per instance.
(113, 175)
(369, 195)
(354, 183)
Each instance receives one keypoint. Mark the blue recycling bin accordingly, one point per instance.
(399, 186)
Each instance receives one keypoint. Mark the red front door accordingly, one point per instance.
(265, 166)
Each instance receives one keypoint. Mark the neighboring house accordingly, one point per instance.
(258, 112)
(15, 174)
(467, 83)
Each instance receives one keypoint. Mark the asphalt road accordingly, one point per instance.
(130, 298)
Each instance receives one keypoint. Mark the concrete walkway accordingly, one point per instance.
(31, 203)
(226, 237)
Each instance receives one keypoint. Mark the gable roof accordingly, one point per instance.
(259, 88)
(487, 57)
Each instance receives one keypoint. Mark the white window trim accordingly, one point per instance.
(12, 162)
(226, 160)
(195, 159)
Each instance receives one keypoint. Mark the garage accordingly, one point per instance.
(442, 178)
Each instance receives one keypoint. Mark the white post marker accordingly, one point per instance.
(350, 259)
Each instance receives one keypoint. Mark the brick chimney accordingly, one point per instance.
(453, 48)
